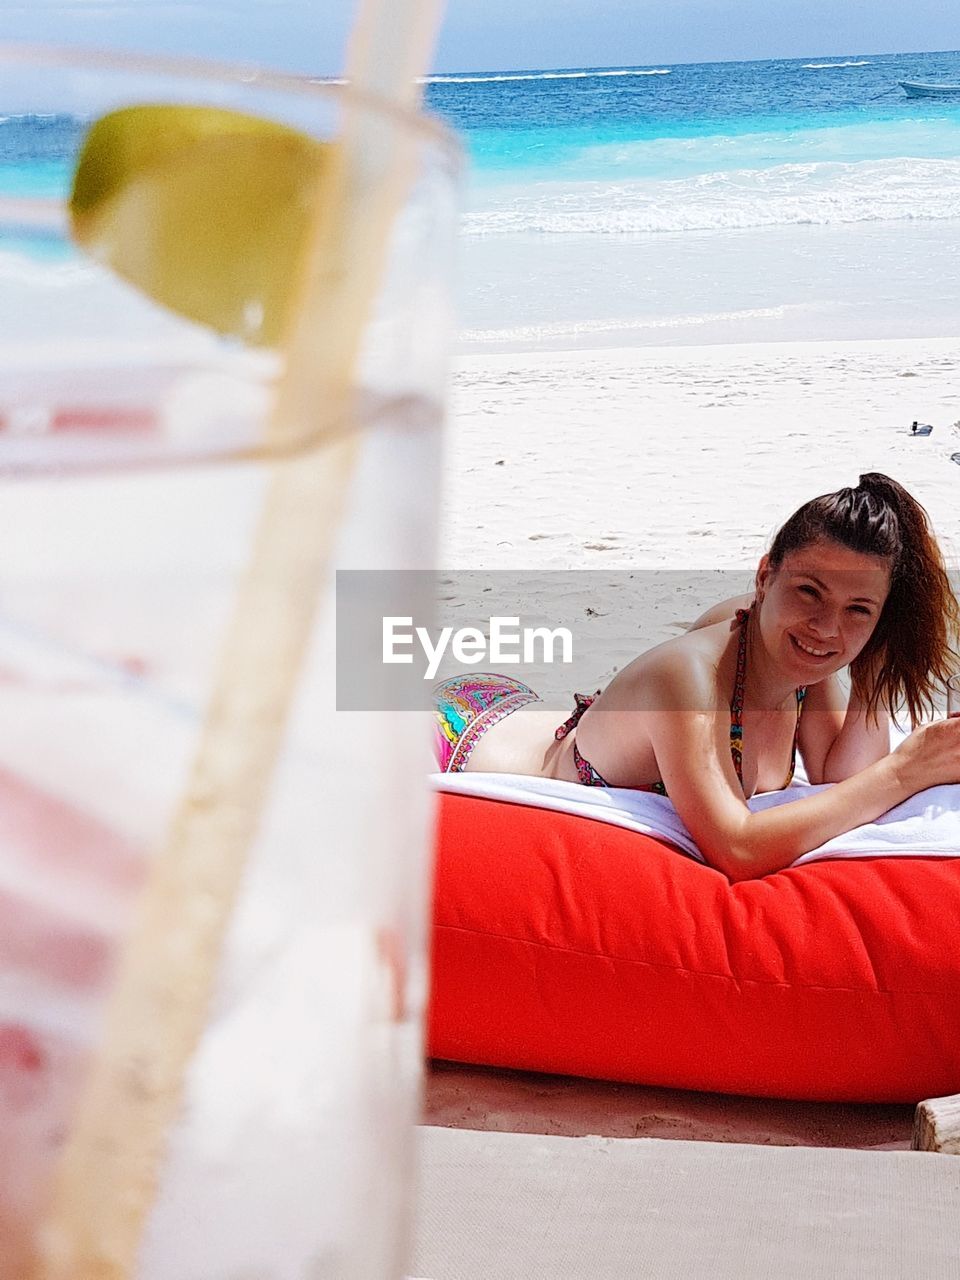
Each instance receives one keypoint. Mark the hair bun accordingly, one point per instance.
(886, 487)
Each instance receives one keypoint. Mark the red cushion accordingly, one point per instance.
(571, 946)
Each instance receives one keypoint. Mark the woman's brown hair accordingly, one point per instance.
(910, 651)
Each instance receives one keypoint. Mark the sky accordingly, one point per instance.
(498, 35)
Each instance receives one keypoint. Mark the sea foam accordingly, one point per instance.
(827, 66)
(818, 194)
(544, 75)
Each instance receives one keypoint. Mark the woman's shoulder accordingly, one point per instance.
(725, 611)
(684, 669)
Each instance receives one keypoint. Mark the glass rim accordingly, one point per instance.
(243, 74)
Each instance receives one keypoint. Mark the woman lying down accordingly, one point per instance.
(853, 579)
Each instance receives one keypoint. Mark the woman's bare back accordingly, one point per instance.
(614, 733)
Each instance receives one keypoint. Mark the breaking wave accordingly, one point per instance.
(793, 194)
(542, 75)
(825, 66)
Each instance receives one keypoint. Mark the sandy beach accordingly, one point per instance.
(682, 459)
(686, 457)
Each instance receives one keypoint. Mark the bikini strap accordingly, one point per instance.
(801, 694)
(582, 701)
(587, 774)
(736, 702)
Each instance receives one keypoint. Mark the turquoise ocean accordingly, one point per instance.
(672, 204)
(803, 199)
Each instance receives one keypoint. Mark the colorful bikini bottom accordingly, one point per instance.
(466, 707)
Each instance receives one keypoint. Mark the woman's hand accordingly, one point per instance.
(930, 756)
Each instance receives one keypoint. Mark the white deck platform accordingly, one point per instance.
(499, 1206)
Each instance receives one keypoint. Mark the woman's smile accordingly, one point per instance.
(810, 651)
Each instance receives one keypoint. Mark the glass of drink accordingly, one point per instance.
(953, 695)
(213, 884)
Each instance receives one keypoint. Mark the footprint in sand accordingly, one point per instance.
(599, 546)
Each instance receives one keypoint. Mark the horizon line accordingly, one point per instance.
(705, 62)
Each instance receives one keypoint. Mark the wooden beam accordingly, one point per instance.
(936, 1125)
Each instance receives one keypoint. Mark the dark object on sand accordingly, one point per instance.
(920, 429)
(955, 457)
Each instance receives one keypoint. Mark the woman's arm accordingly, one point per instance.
(690, 737)
(837, 738)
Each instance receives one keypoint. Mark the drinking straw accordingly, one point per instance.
(110, 1169)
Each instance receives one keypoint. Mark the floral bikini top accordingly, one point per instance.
(589, 776)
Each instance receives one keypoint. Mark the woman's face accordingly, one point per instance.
(820, 607)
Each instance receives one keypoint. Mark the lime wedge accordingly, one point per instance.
(205, 210)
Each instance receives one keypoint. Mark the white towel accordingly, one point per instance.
(928, 824)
